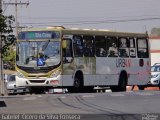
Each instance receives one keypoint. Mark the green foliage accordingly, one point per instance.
(10, 58)
(155, 32)
(6, 30)
(7, 37)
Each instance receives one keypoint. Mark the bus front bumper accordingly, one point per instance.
(39, 82)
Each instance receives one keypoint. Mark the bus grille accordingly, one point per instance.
(39, 70)
(38, 75)
(37, 81)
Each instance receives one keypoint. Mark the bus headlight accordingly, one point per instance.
(56, 73)
(20, 75)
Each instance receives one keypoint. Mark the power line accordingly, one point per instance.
(16, 9)
(79, 17)
(94, 22)
(6, 7)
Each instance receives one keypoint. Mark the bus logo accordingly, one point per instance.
(123, 62)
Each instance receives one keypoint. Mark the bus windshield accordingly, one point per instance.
(38, 53)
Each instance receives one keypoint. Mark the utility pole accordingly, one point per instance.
(2, 85)
(16, 11)
(1, 61)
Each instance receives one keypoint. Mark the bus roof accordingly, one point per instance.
(58, 28)
(78, 31)
(102, 32)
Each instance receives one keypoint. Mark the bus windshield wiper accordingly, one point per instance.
(45, 45)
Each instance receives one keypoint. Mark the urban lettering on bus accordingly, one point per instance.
(121, 62)
(43, 35)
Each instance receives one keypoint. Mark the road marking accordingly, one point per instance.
(63, 97)
(116, 95)
(144, 94)
(29, 98)
(88, 96)
(39, 96)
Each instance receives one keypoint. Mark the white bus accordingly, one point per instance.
(80, 59)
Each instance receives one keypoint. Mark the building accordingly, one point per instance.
(155, 49)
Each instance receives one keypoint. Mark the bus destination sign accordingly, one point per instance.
(38, 35)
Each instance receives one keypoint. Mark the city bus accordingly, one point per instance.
(81, 59)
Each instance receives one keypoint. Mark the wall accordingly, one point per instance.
(155, 49)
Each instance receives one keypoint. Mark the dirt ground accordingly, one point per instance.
(8, 72)
(148, 88)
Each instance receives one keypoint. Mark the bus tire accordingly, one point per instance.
(78, 85)
(121, 84)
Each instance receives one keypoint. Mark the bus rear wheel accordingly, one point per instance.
(121, 85)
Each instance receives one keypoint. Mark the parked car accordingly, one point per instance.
(155, 75)
(11, 86)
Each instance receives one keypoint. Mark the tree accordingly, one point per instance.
(7, 36)
(155, 32)
(10, 59)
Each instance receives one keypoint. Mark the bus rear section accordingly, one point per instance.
(104, 58)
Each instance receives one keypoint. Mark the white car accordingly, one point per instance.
(11, 86)
(155, 75)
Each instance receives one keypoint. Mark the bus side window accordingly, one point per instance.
(67, 50)
(142, 48)
(88, 48)
(112, 47)
(132, 49)
(100, 45)
(78, 46)
(123, 47)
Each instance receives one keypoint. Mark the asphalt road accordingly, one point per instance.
(136, 104)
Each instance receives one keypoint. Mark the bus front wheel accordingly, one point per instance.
(78, 85)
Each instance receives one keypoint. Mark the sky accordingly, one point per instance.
(118, 15)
